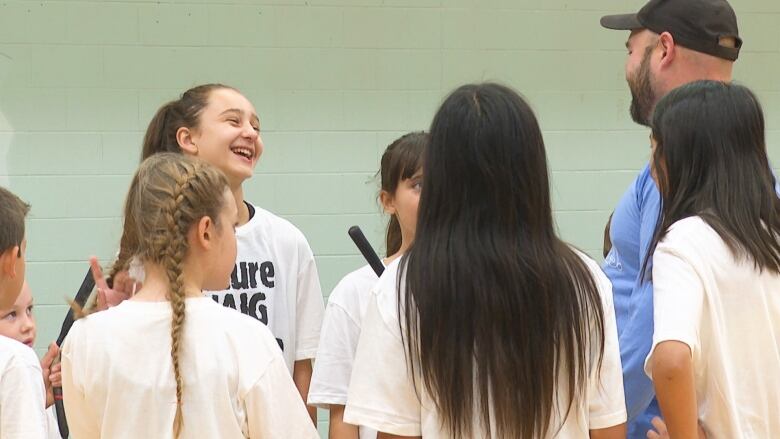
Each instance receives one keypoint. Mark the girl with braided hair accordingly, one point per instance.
(274, 276)
(169, 362)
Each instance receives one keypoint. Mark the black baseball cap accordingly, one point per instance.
(696, 24)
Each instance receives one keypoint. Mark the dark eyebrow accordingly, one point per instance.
(241, 113)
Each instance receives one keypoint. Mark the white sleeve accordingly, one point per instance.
(336, 352)
(310, 307)
(606, 401)
(678, 299)
(274, 407)
(22, 400)
(381, 392)
(81, 422)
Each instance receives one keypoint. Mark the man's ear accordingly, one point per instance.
(184, 137)
(388, 203)
(668, 49)
(8, 260)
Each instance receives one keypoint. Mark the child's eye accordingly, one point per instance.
(10, 316)
(30, 310)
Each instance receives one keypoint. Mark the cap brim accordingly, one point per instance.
(621, 22)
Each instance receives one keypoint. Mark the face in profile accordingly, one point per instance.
(405, 201)
(17, 321)
(639, 76)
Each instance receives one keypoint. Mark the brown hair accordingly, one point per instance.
(161, 137)
(400, 161)
(169, 194)
(184, 112)
(12, 213)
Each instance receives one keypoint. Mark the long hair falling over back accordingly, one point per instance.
(169, 194)
(711, 161)
(400, 161)
(499, 312)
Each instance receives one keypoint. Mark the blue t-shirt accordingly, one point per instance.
(631, 232)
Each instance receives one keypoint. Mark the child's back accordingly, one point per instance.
(728, 312)
(235, 382)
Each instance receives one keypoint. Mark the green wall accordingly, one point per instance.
(334, 81)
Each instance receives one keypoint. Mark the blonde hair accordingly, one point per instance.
(169, 194)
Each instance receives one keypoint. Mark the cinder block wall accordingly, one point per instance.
(334, 81)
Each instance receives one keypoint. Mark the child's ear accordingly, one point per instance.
(8, 260)
(203, 233)
(185, 141)
(388, 203)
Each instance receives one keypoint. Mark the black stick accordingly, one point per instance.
(366, 250)
(81, 299)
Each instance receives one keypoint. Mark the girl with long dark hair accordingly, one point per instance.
(715, 360)
(490, 325)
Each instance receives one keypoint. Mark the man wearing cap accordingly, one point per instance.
(671, 43)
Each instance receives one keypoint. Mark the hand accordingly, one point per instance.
(663, 433)
(124, 287)
(49, 370)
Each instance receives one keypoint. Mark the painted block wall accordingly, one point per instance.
(334, 82)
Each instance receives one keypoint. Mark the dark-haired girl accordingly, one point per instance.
(401, 180)
(715, 359)
(489, 326)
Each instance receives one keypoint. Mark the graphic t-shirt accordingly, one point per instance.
(275, 281)
(340, 334)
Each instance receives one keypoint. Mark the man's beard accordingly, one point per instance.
(642, 94)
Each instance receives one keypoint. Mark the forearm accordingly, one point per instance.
(338, 428)
(675, 389)
(392, 436)
(302, 371)
(615, 432)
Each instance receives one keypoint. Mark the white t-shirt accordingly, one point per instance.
(22, 395)
(51, 420)
(728, 313)
(338, 341)
(118, 382)
(275, 281)
(382, 394)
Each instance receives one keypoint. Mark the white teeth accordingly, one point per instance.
(245, 152)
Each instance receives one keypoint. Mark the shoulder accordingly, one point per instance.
(353, 285)
(278, 226)
(691, 236)
(13, 353)
(235, 325)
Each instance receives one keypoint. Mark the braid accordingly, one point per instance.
(173, 257)
(169, 195)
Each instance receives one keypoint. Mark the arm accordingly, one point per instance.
(674, 384)
(636, 337)
(392, 436)
(338, 428)
(81, 422)
(302, 377)
(22, 401)
(274, 408)
(679, 301)
(615, 432)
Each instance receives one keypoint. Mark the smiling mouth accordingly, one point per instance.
(244, 152)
